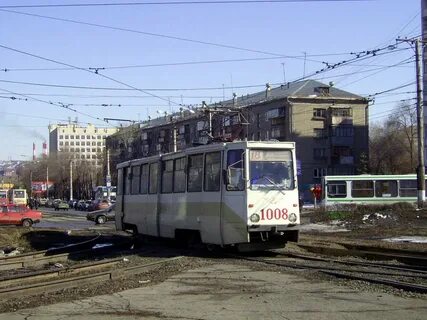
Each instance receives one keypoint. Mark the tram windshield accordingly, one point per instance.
(271, 169)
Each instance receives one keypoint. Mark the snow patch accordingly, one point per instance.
(412, 239)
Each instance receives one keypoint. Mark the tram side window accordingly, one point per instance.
(144, 178)
(235, 171)
(179, 175)
(152, 187)
(337, 189)
(386, 189)
(120, 182)
(195, 173)
(212, 171)
(408, 188)
(362, 189)
(167, 176)
(127, 176)
(135, 180)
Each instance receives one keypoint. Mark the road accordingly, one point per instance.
(69, 220)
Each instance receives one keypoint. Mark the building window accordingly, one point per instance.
(88, 137)
(319, 172)
(61, 137)
(66, 143)
(319, 133)
(82, 137)
(66, 136)
(77, 143)
(319, 153)
(72, 137)
(71, 143)
(93, 149)
(61, 143)
(341, 112)
(94, 143)
(319, 113)
(342, 131)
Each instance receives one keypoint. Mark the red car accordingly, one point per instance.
(19, 215)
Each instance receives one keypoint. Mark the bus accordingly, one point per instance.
(19, 196)
(101, 192)
(242, 194)
(369, 189)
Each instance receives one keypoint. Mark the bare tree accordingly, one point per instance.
(392, 143)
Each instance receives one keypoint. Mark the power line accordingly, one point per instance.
(157, 34)
(360, 56)
(93, 72)
(156, 3)
(57, 104)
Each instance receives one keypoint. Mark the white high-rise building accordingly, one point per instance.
(79, 143)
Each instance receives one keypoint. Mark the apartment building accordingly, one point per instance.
(78, 142)
(329, 126)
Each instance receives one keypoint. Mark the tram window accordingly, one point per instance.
(386, 189)
(127, 176)
(337, 189)
(363, 188)
(144, 179)
(135, 179)
(179, 175)
(235, 171)
(167, 176)
(195, 173)
(408, 188)
(152, 187)
(212, 171)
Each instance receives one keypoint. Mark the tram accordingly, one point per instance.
(369, 189)
(241, 194)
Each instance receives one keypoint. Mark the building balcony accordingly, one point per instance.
(342, 141)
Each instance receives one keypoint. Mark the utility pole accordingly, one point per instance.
(47, 181)
(420, 125)
(71, 179)
(421, 194)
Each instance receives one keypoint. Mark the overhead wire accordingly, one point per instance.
(163, 3)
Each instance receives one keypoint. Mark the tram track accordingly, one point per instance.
(399, 277)
(77, 279)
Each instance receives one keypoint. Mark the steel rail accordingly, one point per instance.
(393, 283)
(419, 259)
(39, 259)
(76, 281)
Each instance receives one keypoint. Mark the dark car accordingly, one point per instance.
(19, 215)
(102, 216)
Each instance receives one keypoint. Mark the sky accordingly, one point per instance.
(131, 62)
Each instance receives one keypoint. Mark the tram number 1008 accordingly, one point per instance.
(276, 214)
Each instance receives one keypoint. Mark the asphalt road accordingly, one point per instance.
(69, 220)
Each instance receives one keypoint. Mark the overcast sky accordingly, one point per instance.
(271, 38)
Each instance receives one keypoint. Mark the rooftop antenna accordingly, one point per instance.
(284, 74)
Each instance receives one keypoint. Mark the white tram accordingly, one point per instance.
(238, 193)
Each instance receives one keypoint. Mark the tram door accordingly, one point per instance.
(233, 210)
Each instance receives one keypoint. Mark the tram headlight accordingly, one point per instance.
(254, 217)
(293, 217)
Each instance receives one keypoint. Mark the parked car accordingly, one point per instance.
(102, 216)
(19, 215)
(43, 201)
(61, 205)
(100, 204)
(80, 205)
